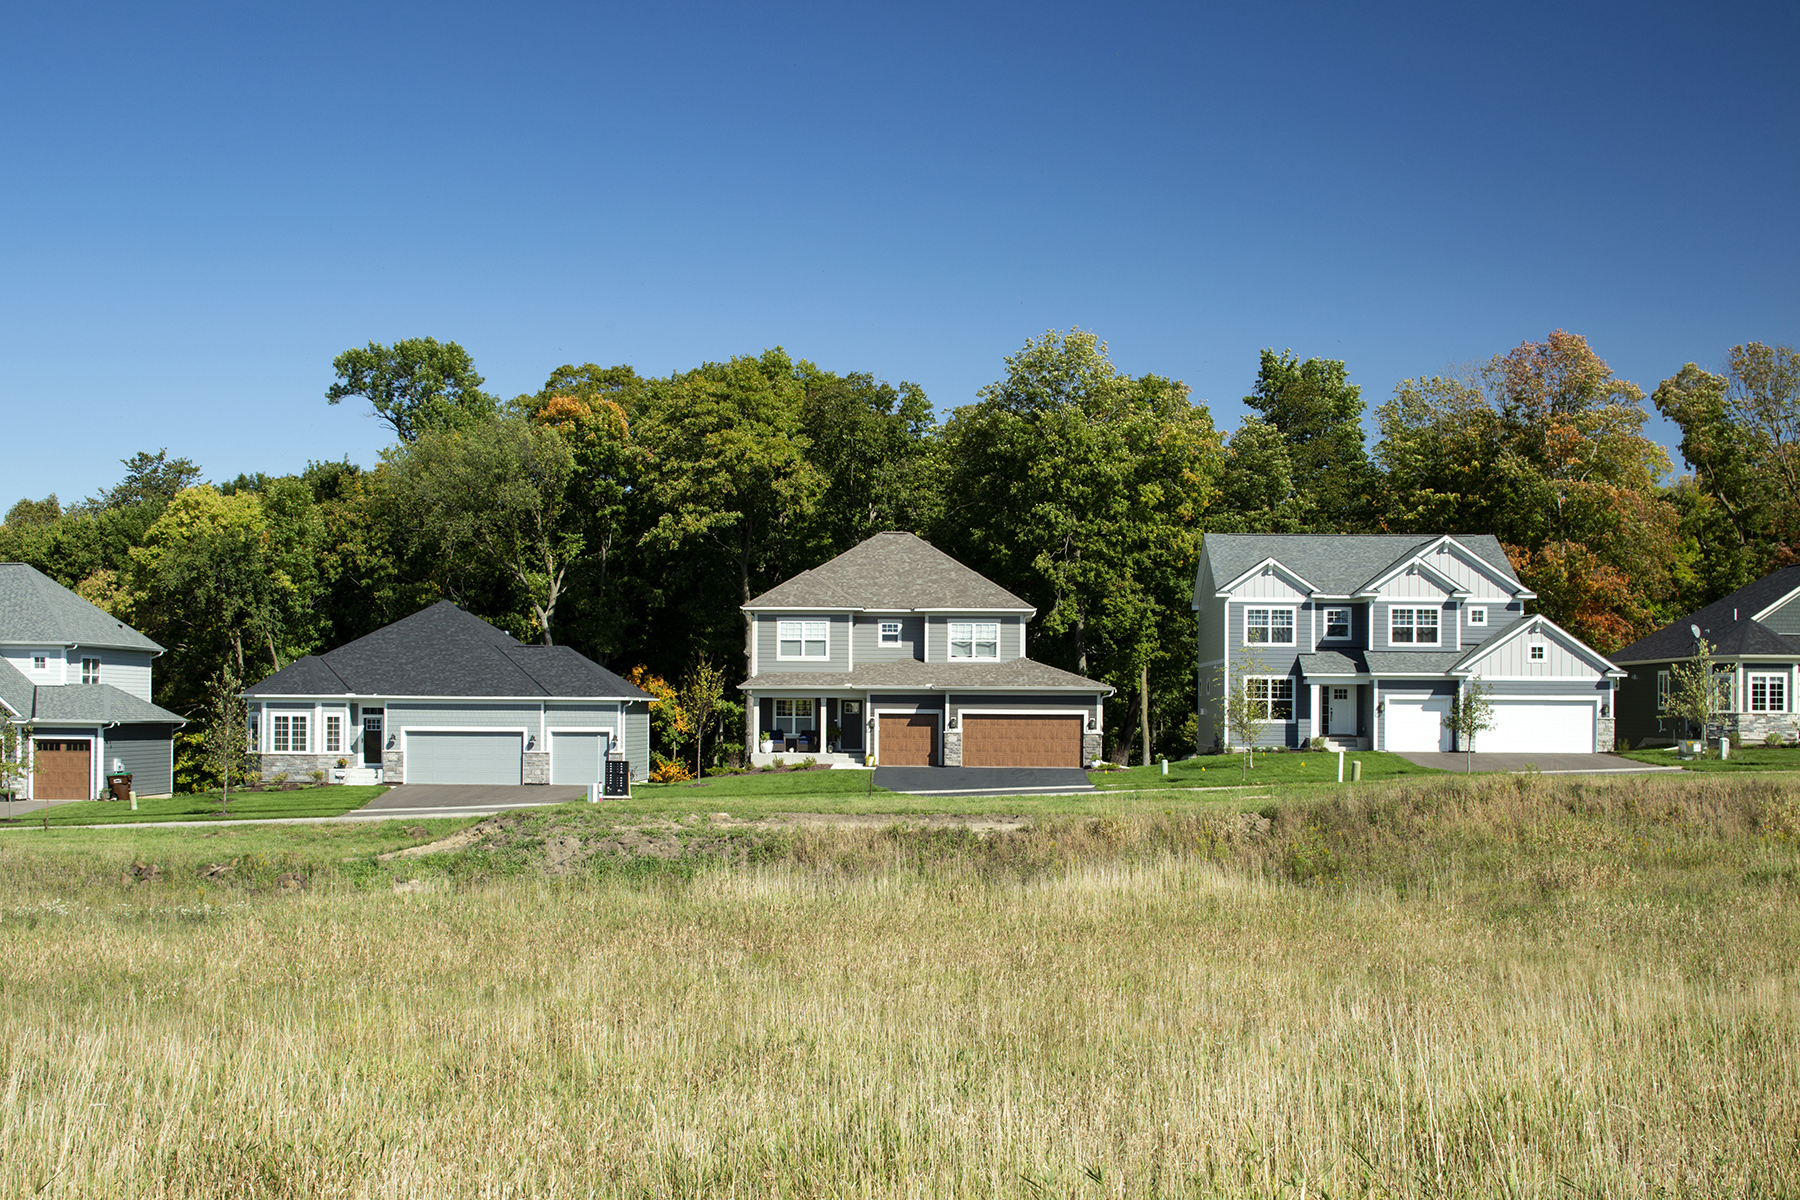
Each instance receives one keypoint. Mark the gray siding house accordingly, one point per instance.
(1755, 636)
(79, 680)
(1362, 641)
(444, 697)
(894, 652)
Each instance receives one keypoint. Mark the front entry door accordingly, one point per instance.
(1340, 708)
(372, 737)
(850, 725)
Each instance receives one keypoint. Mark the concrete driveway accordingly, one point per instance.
(465, 799)
(983, 781)
(1549, 764)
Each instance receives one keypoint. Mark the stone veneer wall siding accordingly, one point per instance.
(299, 767)
(1753, 729)
(537, 766)
(1605, 735)
(1090, 745)
(953, 747)
(393, 765)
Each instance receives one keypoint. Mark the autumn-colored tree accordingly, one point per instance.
(1543, 447)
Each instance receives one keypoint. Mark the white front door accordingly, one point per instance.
(1340, 709)
(1415, 725)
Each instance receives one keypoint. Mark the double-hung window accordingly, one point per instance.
(289, 735)
(793, 717)
(890, 633)
(40, 662)
(974, 639)
(1724, 687)
(1337, 624)
(1662, 691)
(90, 670)
(1413, 626)
(1268, 627)
(1270, 699)
(803, 639)
(1768, 693)
(334, 735)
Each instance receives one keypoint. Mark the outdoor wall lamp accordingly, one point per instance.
(1381, 706)
(953, 722)
(1090, 723)
(393, 740)
(531, 741)
(1605, 710)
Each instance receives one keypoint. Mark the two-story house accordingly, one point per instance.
(1362, 640)
(79, 679)
(1754, 634)
(894, 652)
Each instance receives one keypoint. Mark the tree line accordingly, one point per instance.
(629, 516)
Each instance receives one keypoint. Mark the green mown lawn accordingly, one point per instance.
(1749, 758)
(773, 783)
(329, 800)
(1281, 767)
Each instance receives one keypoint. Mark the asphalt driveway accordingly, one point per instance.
(983, 781)
(465, 799)
(1549, 764)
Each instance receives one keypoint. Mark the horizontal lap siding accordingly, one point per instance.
(1382, 626)
(1271, 660)
(461, 716)
(147, 754)
(637, 739)
(768, 644)
(866, 639)
(926, 703)
(581, 716)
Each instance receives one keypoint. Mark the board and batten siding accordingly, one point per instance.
(1558, 662)
(1268, 584)
(1479, 580)
(768, 647)
(146, 753)
(1415, 585)
(865, 639)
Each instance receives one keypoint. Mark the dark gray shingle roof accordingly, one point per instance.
(890, 571)
(35, 609)
(1338, 564)
(911, 673)
(15, 689)
(1727, 623)
(444, 651)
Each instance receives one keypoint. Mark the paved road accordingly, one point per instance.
(983, 781)
(1549, 764)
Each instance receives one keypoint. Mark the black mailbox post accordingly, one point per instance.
(618, 778)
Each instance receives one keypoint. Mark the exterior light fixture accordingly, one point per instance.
(953, 722)
(531, 741)
(1090, 723)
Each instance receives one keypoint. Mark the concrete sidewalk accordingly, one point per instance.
(1549, 764)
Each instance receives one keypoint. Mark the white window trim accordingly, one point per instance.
(1478, 615)
(1325, 622)
(802, 639)
(1766, 677)
(1414, 609)
(975, 640)
(95, 673)
(1535, 652)
(881, 633)
(1293, 617)
(1664, 689)
(1268, 701)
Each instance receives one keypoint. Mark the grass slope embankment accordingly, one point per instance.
(1271, 769)
(329, 800)
(1432, 987)
(1746, 760)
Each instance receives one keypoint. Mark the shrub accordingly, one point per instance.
(317, 775)
(807, 764)
(670, 770)
(1773, 741)
(278, 778)
(778, 764)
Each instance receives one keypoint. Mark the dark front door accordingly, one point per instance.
(850, 725)
(372, 737)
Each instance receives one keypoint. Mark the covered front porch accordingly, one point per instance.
(831, 729)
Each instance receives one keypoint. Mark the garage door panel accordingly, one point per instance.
(1539, 727)
(1416, 725)
(63, 771)
(577, 758)
(1021, 741)
(464, 757)
(907, 739)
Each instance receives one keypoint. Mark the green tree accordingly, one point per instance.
(1471, 714)
(872, 443)
(1695, 695)
(1243, 708)
(699, 697)
(34, 512)
(1318, 413)
(1257, 492)
(1083, 490)
(500, 491)
(417, 385)
(224, 738)
(149, 479)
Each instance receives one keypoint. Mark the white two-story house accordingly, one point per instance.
(894, 652)
(78, 679)
(1362, 640)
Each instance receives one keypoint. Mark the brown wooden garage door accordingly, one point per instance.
(906, 739)
(1001, 741)
(62, 771)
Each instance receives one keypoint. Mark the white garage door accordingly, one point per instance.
(577, 757)
(464, 758)
(1416, 724)
(1539, 727)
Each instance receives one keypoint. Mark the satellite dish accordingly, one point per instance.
(1695, 630)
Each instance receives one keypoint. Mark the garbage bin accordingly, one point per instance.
(119, 786)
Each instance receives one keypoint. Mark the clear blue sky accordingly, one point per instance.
(201, 206)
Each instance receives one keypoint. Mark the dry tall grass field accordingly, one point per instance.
(1452, 988)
